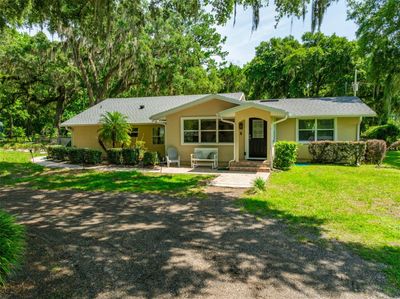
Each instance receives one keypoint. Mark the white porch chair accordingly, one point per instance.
(173, 156)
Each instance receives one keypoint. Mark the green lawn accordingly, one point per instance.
(16, 168)
(358, 206)
(392, 159)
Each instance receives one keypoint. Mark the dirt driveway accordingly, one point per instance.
(107, 245)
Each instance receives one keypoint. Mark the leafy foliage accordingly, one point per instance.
(130, 156)
(259, 184)
(114, 156)
(57, 152)
(115, 129)
(150, 159)
(379, 40)
(337, 152)
(388, 132)
(285, 154)
(319, 66)
(12, 244)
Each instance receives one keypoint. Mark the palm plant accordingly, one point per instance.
(114, 128)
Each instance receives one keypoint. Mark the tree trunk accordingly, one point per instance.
(59, 109)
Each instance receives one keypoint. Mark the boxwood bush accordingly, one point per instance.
(130, 156)
(285, 154)
(337, 152)
(12, 241)
(57, 152)
(375, 151)
(91, 156)
(114, 156)
(150, 159)
(76, 155)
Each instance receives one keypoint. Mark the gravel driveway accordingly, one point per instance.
(119, 245)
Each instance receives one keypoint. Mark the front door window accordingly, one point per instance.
(258, 128)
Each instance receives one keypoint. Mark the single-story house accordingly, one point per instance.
(241, 130)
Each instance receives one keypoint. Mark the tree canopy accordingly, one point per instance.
(97, 49)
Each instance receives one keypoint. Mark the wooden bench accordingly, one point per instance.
(204, 157)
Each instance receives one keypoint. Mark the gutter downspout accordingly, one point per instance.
(273, 136)
(358, 128)
(234, 138)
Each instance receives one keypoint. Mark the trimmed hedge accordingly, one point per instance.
(285, 154)
(130, 156)
(57, 152)
(75, 155)
(114, 156)
(395, 146)
(388, 132)
(375, 151)
(91, 156)
(337, 152)
(150, 159)
(12, 244)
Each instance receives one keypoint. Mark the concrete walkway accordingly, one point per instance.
(224, 178)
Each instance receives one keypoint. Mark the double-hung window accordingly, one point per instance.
(206, 130)
(316, 130)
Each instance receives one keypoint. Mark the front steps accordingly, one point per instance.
(250, 166)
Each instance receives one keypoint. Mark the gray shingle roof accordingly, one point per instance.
(329, 106)
(131, 108)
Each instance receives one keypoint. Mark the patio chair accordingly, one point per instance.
(173, 156)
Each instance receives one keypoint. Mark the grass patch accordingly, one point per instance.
(358, 206)
(16, 168)
(392, 159)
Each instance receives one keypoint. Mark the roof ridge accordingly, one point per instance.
(178, 95)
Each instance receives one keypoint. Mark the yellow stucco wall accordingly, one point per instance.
(173, 132)
(346, 131)
(86, 136)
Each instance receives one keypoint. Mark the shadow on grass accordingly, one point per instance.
(303, 225)
(310, 228)
(10, 172)
(119, 181)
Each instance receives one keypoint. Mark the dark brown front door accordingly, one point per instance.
(257, 138)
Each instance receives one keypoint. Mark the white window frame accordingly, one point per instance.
(316, 127)
(199, 118)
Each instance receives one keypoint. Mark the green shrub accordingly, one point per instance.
(375, 151)
(140, 149)
(337, 152)
(285, 154)
(12, 241)
(129, 156)
(91, 156)
(150, 159)
(259, 184)
(57, 152)
(114, 156)
(76, 155)
(388, 132)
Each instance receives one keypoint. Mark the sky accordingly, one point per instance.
(241, 42)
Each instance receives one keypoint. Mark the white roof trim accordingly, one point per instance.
(247, 105)
(204, 99)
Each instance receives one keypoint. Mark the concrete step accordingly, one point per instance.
(250, 164)
(250, 168)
